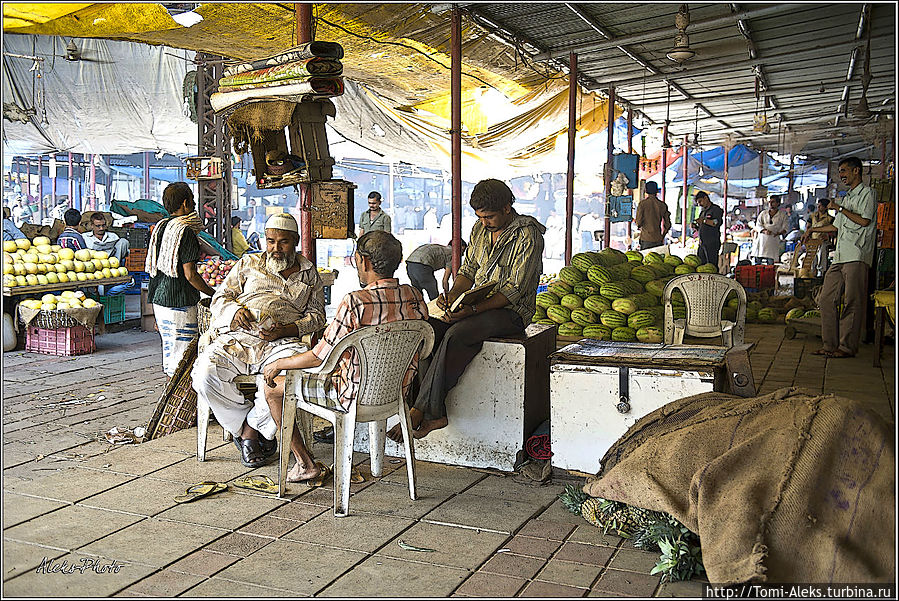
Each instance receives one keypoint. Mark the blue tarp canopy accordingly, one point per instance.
(713, 158)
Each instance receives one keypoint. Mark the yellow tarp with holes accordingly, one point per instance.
(513, 111)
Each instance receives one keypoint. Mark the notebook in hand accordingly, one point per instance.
(469, 297)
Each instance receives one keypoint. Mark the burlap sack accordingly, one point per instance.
(59, 319)
(785, 487)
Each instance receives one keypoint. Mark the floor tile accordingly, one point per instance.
(571, 574)
(434, 475)
(70, 527)
(313, 568)
(627, 583)
(456, 547)
(634, 560)
(381, 576)
(100, 579)
(222, 510)
(550, 589)
(688, 588)
(533, 547)
(70, 484)
(269, 526)
(219, 588)
(19, 558)
(154, 542)
(221, 465)
(239, 545)
(203, 563)
(140, 496)
(345, 532)
(509, 564)
(504, 487)
(166, 583)
(490, 586)
(542, 528)
(471, 510)
(19, 508)
(298, 511)
(393, 500)
(590, 534)
(587, 554)
(134, 459)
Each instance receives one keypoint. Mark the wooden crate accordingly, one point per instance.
(332, 209)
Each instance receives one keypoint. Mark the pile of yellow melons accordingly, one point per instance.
(37, 262)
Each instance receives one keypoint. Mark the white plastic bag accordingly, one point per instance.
(9, 333)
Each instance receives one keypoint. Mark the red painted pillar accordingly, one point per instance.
(630, 150)
(303, 17)
(40, 187)
(572, 133)
(71, 202)
(607, 176)
(456, 133)
(686, 169)
(726, 168)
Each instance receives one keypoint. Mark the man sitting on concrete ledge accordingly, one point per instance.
(382, 299)
(504, 247)
(267, 302)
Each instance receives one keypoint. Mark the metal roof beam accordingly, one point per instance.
(663, 32)
(743, 95)
(608, 35)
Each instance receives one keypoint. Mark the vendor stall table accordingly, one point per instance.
(45, 288)
(598, 389)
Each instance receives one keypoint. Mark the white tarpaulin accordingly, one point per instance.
(127, 98)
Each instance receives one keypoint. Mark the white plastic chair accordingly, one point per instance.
(704, 297)
(385, 352)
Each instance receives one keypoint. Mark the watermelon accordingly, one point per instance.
(559, 288)
(569, 328)
(632, 286)
(597, 332)
(655, 287)
(752, 313)
(622, 270)
(635, 264)
(733, 301)
(547, 299)
(599, 275)
(693, 260)
(645, 299)
(634, 255)
(650, 334)
(754, 304)
(583, 317)
(677, 297)
(613, 318)
(612, 290)
(658, 269)
(682, 269)
(571, 275)
(546, 322)
(558, 314)
(597, 304)
(643, 274)
(678, 312)
(640, 319)
(539, 313)
(583, 261)
(767, 315)
(586, 288)
(673, 260)
(812, 313)
(707, 268)
(624, 305)
(653, 257)
(624, 334)
(729, 313)
(571, 301)
(611, 256)
(796, 313)
(658, 313)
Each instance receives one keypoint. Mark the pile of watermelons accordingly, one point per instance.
(612, 295)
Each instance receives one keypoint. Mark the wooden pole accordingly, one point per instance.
(686, 169)
(303, 18)
(607, 176)
(456, 133)
(572, 133)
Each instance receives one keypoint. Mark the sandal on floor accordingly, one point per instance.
(251, 454)
(325, 471)
(198, 491)
(269, 447)
(823, 352)
(258, 482)
(838, 354)
(356, 476)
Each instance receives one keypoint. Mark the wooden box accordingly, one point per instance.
(332, 209)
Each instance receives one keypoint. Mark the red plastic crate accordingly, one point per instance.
(136, 259)
(77, 340)
(756, 276)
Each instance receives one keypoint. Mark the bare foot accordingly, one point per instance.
(396, 433)
(427, 426)
(300, 472)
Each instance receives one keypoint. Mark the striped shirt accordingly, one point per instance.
(380, 302)
(515, 262)
(71, 238)
(299, 299)
(435, 256)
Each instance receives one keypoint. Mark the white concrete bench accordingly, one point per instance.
(498, 402)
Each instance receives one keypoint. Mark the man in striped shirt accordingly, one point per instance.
(381, 300)
(71, 237)
(504, 247)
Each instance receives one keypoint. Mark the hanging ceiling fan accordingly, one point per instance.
(74, 54)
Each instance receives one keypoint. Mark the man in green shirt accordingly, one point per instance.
(847, 278)
(506, 248)
(374, 218)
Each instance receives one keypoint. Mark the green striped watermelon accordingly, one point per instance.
(640, 319)
(621, 271)
(571, 275)
(632, 286)
(752, 313)
(613, 318)
(655, 287)
(597, 332)
(546, 322)
(547, 299)
(634, 255)
(571, 301)
(624, 305)
(677, 297)
(569, 328)
(586, 288)
(684, 269)
(707, 268)
(559, 288)
(624, 334)
(643, 274)
(812, 313)
(583, 261)
(558, 314)
(673, 260)
(539, 313)
(796, 313)
(597, 304)
(653, 257)
(678, 312)
(599, 275)
(645, 299)
(730, 314)
(650, 335)
(583, 317)
(693, 260)
(612, 290)
(767, 315)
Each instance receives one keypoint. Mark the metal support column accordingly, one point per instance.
(93, 192)
(213, 141)
(52, 169)
(27, 187)
(726, 169)
(664, 158)
(456, 133)
(630, 150)
(146, 178)
(40, 187)
(572, 133)
(303, 18)
(685, 160)
(791, 179)
(607, 175)
(71, 202)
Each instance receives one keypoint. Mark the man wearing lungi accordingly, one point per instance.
(504, 247)
(382, 299)
(267, 302)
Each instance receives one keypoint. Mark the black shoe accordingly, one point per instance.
(326, 436)
(269, 447)
(251, 455)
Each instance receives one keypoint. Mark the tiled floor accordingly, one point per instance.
(109, 513)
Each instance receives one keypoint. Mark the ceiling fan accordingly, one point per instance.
(74, 54)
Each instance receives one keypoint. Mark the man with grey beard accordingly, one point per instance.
(267, 302)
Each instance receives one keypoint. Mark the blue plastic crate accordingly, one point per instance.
(542, 288)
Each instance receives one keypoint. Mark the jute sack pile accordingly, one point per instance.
(785, 487)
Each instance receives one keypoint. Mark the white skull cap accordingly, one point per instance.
(282, 221)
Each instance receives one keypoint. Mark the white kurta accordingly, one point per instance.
(765, 245)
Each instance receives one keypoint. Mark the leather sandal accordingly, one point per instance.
(269, 447)
(250, 452)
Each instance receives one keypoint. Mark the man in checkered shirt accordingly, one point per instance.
(381, 300)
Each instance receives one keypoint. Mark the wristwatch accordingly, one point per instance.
(474, 308)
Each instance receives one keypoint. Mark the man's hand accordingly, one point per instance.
(273, 333)
(270, 372)
(243, 320)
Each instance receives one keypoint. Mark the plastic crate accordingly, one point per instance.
(113, 308)
(136, 259)
(542, 288)
(802, 287)
(136, 237)
(76, 340)
(756, 276)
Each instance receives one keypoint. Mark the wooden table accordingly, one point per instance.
(45, 288)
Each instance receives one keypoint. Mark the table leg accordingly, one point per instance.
(878, 333)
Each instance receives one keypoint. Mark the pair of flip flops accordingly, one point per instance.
(198, 491)
(323, 472)
(257, 482)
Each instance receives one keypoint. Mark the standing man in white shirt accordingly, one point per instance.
(847, 278)
(101, 239)
(770, 226)
(374, 218)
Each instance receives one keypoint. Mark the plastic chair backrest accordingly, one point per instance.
(385, 352)
(704, 297)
